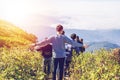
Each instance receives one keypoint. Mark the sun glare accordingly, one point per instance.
(16, 11)
(13, 11)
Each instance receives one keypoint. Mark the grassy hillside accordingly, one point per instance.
(11, 35)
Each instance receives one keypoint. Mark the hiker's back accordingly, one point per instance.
(58, 46)
(47, 51)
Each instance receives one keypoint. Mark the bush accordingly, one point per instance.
(98, 66)
(20, 64)
(116, 53)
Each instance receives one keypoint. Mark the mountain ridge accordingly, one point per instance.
(93, 46)
(11, 35)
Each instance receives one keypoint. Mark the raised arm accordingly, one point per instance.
(73, 43)
(43, 43)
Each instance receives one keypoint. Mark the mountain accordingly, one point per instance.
(11, 35)
(97, 35)
(101, 45)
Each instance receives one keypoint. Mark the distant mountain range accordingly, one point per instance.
(111, 36)
(101, 45)
(97, 35)
(97, 39)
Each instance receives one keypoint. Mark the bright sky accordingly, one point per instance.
(79, 14)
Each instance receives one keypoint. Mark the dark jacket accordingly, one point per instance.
(46, 51)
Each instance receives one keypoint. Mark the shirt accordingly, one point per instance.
(58, 45)
(47, 51)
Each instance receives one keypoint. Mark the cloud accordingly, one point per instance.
(79, 14)
(91, 15)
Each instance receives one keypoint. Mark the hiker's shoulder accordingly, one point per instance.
(51, 37)
(65, 37)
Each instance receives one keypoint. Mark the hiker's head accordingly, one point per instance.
(81, 39)
(63, 33)
(73, 36)
(77, 37)
(46, 38)
(59, 29)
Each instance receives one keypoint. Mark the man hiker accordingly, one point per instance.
(47, 58)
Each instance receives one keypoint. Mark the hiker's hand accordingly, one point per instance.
(85, 46)
(31, 46)
(37, 48)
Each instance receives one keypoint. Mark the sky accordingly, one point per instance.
(74, 14)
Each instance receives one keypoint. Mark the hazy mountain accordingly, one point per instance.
(101, 45)
(11, 35)
(97, 35)
(96, 39)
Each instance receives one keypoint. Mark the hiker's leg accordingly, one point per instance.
(49, 66)
(44, 65)
(55, 64)
(66, 67)
(66, 64)
(61, 68)
(69, 62)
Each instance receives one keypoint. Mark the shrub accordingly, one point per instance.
(116, 53)
(20, 64)
(98, 66)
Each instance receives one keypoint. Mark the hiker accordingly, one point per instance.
(63, 33)
(47, 58)
(69, 51)
(68, 60)
(80, 49)
(74, 48)
(58, 43)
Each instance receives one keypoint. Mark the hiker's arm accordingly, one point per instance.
(44, 42)
(73, 43)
